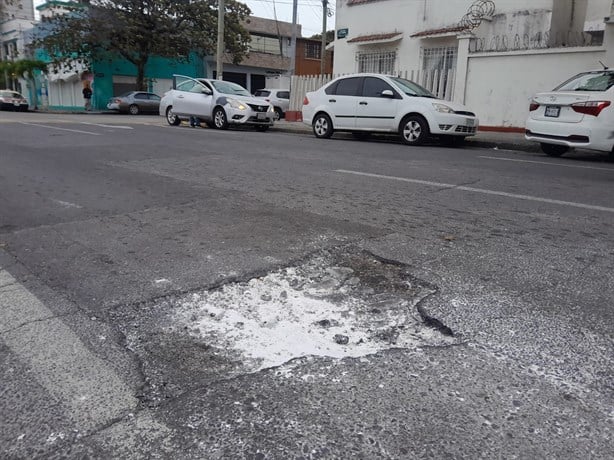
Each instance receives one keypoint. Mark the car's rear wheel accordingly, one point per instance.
(133, 109)
(554, 150)
(278, 114)
(171, 117)
(322, 126)
(414, 130)
(219, 118)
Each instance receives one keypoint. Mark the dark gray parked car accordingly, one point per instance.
(135, 102)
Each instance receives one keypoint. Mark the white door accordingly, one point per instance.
(343, 102)
(376, 111)
(192, 98)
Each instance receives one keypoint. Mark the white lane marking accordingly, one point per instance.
(548, 163)
(66, 204)
(61, 129)
(87, 386)
(107, 126)
(479, 190)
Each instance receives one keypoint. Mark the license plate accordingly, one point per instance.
(261, 116)
(553, 111)
(470, 122)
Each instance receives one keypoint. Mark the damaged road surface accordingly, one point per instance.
(329, 358)
(338, 304)
(176, 293)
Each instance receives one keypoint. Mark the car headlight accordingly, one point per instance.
(443, 108)
(271, 108)
(236, 104)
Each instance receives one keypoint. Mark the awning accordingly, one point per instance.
(377, 38)
(441, 32)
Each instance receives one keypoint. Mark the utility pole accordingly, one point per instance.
(323, 50)
(220, 40)
(292, 68)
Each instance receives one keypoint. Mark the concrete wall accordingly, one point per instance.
(414, 16)
(500, 85)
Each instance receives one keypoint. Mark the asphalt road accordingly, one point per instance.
(480, 283)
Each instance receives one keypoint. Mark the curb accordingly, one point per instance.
(474, 142)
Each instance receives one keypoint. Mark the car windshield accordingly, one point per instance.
(412, 89)
(227, 87)
(10, 94)
(589, 81)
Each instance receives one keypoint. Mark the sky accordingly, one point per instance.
(309, 13)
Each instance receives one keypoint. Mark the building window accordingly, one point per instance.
(261, 44)
(441, 59)
(383, 62)
(312, 50)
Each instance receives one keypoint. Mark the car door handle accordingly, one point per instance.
(363, 103)
(332, 100)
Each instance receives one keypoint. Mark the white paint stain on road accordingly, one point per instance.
(107, 126)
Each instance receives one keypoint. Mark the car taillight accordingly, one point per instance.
(533, 106)
(305, 101)
(593, 108)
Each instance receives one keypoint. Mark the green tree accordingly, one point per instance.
(137, 30)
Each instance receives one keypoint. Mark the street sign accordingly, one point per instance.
(342, 33)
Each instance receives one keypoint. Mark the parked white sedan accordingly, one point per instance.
(365, 103)
(578, 113)
(218, 103)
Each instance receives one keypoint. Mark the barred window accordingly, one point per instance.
(443, 58)
(312, 50)
(383, 62)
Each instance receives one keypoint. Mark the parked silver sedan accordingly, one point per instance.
(219, 104)
(135, 102)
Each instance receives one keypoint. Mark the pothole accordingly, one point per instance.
(338, 304)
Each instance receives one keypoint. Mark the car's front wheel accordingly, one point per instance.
(219, 118)
(554, 150)
(414, 130)
(322, 126)
(171, 117)
(133, 109)
(278, 114)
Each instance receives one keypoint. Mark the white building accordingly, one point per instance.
(489, 54)
(16, 18)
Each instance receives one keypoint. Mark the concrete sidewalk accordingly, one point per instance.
(483, 139)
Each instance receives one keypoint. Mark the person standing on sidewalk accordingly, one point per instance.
(87, 96)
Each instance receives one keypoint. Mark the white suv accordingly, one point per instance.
(278, 98)
(365, 103)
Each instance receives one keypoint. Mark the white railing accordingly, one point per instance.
(440, 83)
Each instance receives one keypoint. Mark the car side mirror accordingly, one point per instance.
(387, 93)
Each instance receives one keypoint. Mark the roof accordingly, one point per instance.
(374, 37)
(441, 31)
(264, 26)
(360, 2)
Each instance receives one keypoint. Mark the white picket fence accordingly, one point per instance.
(440, 83)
